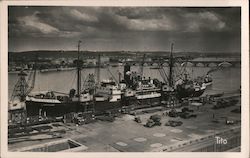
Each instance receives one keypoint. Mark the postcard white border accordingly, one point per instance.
(171, 3)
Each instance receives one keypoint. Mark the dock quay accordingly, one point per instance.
(125, 135)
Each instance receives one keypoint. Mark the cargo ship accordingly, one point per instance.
(51, 103)
(140, 92)
(133, 90)
(189, 88)
(54, 104)
(182, 87)
(107, 96)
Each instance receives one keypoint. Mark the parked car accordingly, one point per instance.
(173, 123)
(154, 120)
(187, 115)
(138, 119)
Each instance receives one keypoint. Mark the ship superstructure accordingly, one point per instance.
(140, 91)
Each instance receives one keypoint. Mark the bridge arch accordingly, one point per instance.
(165, 64)
(189, 64)
(212, 65)
(177, 64)
(225, 64)
(155, 64)
(200, 64)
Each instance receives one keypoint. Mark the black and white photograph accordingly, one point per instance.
(111, 79)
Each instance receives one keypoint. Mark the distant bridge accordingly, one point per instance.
(198, 62)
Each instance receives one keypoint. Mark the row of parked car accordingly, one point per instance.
(155, 120)
(184, 113)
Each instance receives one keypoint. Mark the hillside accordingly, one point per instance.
(43, 54)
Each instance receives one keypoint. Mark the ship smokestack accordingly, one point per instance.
(127, 74)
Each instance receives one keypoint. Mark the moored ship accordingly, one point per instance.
(189, 88)
(183, 86)
(140, 92)
(107, 96)
(50, 104)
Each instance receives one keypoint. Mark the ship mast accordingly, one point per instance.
(98, 68)
(78, 71)
(142, 64)
(141, 71)
(171, 64)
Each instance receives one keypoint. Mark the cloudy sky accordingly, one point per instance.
(124, 28)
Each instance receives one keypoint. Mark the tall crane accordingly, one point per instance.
(23, 87)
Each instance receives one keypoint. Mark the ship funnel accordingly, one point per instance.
(127, 74)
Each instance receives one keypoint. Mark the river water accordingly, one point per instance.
(224, 80)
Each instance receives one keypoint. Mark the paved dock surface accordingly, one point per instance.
(125, 135)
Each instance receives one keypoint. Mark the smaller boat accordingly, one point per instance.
(207, 80)
(189, 88)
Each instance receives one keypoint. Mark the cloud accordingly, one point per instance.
(138, 19)
(126, 27)
(69, 34)
(71, 21)
(140, 12)
(165, 19)
(203, 20)
(39, 25)
(145, 24)
(83, 16)
(33, 22)
(150, 25)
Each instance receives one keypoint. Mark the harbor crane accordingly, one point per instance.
(23, 87)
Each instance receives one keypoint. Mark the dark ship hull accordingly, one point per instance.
(55, 109)
(135, 103)
(142, 101)
(128, 101)
(182, 92)
(101, 107)
(150, 102)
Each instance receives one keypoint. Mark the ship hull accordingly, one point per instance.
(189, 92)
(101, 107)
(141, 103)
(55, 109)
(128, 101)
(148, 102)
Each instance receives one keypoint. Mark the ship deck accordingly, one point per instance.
(126, 135)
